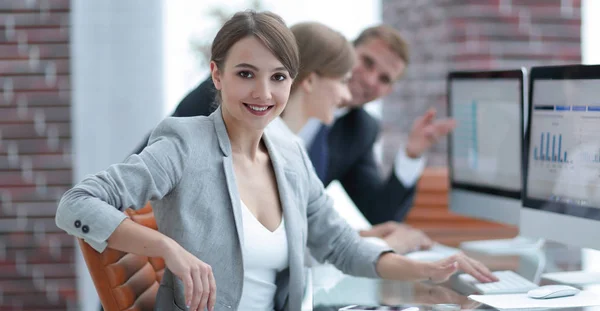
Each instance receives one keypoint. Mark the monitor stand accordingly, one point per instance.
(589, 275)
(514, 246)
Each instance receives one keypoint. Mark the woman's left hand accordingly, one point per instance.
(440, 271)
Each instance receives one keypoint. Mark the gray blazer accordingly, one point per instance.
(187, 173)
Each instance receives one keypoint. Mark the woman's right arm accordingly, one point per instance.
(92, 210)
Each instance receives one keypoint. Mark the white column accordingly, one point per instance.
(590, 25)
(117, 89)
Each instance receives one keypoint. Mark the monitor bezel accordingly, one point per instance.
(567, 72)
(518, 74)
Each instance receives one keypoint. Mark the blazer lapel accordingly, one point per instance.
(234, 195)
(285, 180)
(235, 198)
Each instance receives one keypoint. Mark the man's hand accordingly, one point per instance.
(427, 131)
(402, 238)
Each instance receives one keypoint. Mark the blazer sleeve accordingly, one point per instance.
(330, 238)
(380, 199)
(91, 209)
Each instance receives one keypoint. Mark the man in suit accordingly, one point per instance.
(383, 57)
(344, 151)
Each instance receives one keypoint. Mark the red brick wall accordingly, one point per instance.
(37, 270)
(470, 34)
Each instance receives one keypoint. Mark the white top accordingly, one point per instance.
(264, 254)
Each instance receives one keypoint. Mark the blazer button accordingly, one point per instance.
(85, 229)
(77, 224)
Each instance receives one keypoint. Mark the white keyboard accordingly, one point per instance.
(510, 283)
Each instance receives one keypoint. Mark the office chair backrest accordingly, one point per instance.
(125, 281)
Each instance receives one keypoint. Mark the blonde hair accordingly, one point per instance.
(323, 51)
(390, 36)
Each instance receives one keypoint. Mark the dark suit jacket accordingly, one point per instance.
(351, 159)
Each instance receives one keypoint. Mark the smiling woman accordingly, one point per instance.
(254, 85)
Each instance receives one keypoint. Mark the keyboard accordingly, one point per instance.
(510, 283)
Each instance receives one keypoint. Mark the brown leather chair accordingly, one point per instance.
(125, 281)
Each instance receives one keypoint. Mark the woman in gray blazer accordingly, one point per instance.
(209, 177)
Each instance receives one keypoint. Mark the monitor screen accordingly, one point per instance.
(563, 142)
(485, 147)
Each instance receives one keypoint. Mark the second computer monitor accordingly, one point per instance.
(484, 151)
(561, 199)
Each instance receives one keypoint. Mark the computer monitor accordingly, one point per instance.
(484, 151)
(562, 156)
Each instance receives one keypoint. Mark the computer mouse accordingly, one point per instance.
(552, 291)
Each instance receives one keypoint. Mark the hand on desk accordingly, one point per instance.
(401, 237)
(440, 271)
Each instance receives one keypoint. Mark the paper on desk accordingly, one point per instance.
(585, 298)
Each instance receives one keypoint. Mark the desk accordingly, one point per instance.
(329, 295)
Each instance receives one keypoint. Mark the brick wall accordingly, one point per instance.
(37, 270)
(470, 34)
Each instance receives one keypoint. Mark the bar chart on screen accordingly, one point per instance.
(565, 151)
(568, 137)
(543, 151)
